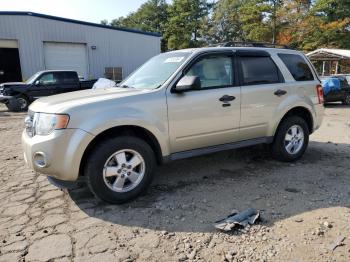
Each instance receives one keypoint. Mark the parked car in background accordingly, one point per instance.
(337, 91)
(18, 95)
(177, 105)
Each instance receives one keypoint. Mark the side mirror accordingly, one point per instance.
(188, 83)
(37, 82)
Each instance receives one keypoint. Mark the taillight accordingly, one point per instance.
(320, 96)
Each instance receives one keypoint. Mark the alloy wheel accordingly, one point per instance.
(294, 139)
(124, 170)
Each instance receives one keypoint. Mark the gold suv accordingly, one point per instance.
(178, 104)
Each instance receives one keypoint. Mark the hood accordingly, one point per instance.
(12, 84)
(63, 102)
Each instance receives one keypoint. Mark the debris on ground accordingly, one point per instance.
(242, 219)
(336, 243)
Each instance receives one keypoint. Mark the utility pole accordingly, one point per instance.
(274, 9)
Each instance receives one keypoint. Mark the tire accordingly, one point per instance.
(284, 150)
(102, 169)
(18, 104)
(346, 100)
(13, 105)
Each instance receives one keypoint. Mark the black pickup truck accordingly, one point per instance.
(17, 96)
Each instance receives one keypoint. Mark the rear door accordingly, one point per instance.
(67, 82)
(262, 89)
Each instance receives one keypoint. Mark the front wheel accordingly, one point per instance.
(120, 169)
(18, 104)
(291, 139)
(346, 100)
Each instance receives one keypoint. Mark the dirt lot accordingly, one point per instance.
(305, 207)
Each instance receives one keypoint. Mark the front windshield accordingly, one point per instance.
(156, 71)
(31, 79)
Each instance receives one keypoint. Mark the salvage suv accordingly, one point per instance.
(177, 105)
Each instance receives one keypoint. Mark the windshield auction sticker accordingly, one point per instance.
(175, 59)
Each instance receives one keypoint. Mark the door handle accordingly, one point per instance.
(280, 92)
(227, 98)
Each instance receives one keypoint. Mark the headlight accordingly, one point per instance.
(44, 123)
(5, 91)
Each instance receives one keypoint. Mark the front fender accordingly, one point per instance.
(97, 122)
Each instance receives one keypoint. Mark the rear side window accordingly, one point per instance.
(259, 70)
(297, 66)
(67, 77)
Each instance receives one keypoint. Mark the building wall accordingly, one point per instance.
(113, 48)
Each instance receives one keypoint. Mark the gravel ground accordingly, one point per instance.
(305, 207)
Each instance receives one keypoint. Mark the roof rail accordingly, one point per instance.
(250, 44)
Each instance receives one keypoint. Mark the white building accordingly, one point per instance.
(30, 42)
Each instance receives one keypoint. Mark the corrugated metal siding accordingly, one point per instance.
(113, 48)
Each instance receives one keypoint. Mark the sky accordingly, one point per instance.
(85, 10)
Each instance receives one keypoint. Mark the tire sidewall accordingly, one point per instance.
(97, 159)
(278, 147)
(26, 103)
(347, 100)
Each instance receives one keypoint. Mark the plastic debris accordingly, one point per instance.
(104, 83)
(336, 243)
(330, 84)
(242, 219)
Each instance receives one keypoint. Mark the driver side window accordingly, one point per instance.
(48, 79)
(214, 71)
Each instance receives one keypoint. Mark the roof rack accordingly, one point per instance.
(250, 44)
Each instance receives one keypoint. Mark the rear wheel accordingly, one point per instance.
(120, 169)
(291, 139)
(346, 100)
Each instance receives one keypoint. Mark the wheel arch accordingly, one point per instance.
(130, 130)
(302, 112)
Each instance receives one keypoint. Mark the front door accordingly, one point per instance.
(10, 68)
(45, 85)
(210, 115)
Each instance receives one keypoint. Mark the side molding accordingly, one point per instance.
(218, 148)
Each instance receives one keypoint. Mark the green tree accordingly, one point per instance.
(151, 16)
(226, 24)
(243, 20)
(104, 22)
(186, 23)
(309, 25)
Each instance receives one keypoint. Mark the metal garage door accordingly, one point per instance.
(66, 56)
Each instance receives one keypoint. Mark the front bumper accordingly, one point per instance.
(4, 99)
(58, 154)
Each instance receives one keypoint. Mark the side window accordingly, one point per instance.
(60, 77)
(297, 66)
(214, 71)
(66, 77)
(70, 77)
(343, 82)
(259, 70)
(47, 79)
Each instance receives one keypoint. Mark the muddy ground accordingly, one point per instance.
(305, 206)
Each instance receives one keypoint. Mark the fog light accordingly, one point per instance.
(40, 160)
